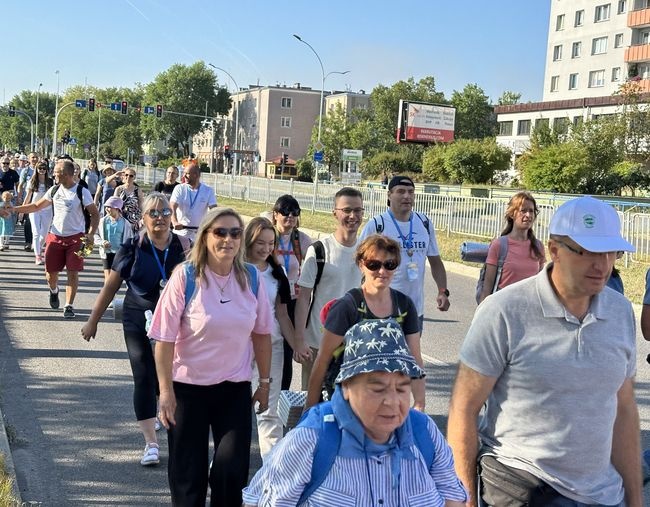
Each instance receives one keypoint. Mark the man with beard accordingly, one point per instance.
(190, 201)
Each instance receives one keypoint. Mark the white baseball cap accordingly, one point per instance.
(592, 224)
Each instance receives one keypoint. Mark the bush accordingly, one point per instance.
(305, 170)
(557, 167)
(166, 162)
(385, 162)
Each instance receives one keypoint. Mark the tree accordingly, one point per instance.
(335, 136)
(386, 162)
(509, 98)
(183, 89)
(16, 131)
(475, 118)
(558, 168)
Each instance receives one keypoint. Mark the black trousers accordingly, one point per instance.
(287, 365)
(225, 409)
(27, 229)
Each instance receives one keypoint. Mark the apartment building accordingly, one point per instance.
(593, 47)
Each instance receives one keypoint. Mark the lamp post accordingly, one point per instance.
(236, 111)
(56, 108)
(38, 94)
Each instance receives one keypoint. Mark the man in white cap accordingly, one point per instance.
(554, 357)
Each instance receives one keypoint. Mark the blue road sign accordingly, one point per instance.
(116, 106)
(72, 141)
(318, 156)
(149, 110)
(81, 103)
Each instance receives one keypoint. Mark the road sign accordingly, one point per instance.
(319, 146)
(80, 103)
(72, 141)
(149, 110)
(318, 156)
(352, 155)
(116, 106)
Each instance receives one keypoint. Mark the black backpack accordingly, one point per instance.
(80, 190)
(319, 250)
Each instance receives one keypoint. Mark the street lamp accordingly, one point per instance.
(38, 94)
(236, 110)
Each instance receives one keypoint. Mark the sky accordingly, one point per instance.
(498, 44)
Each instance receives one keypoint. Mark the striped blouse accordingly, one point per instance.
(360, 481)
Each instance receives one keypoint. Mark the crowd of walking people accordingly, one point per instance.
(217, 312)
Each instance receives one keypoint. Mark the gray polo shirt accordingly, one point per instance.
(553, 407)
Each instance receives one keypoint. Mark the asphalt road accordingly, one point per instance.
(67, 403)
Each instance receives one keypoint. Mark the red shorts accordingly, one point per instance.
(61, 252)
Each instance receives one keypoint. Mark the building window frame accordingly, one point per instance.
(579, 18)
(285, 142)
(559, 22)
(597, 78)
(523, 127)
(618, 40)
(573, 81)
(602, 13)
(622, 7)
(557, 53)
(616, 74)
(599, 45)
(555, 83)
(285, 121)
(286, 102)
(576, 49)
(505, 128)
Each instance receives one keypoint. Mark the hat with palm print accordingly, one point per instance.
(377, 345)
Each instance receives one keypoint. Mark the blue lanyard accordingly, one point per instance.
(161, 267)
(286, 253)
(408, 243)
(196, 196)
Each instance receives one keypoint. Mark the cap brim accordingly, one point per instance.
(390, 364)
(600, 244)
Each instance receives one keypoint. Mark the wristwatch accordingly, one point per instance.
(444, 291)
(267, 380)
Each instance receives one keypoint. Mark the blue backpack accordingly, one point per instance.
(190, 280)
(329, 441)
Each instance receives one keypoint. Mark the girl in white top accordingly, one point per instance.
(39, 183)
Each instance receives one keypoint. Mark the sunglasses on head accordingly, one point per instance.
(222, 232)
(285, 212)
(375, 265)
(155, 213)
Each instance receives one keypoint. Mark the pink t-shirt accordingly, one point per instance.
(212, 335)
(520, 261)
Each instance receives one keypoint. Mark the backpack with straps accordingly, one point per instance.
(190, 280)
(503, 251)
(80, 190)
(321, 417)
(319, 250)
(379, 228)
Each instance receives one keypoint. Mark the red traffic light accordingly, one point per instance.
(125, 106)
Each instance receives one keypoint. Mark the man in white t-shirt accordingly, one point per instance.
(190, 202)
(68, 232)
(340, 273)
(415, 233)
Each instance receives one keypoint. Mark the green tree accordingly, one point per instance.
(127, 137)
(335, 136)
(386, 162)
(434, 164)
(305, 170)
(475, 161)
(559, 167)
(183, 89)
(509, 98)
(475, 118)
(17, 130)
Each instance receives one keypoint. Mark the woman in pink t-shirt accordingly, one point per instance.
(525, 256)
(204, 354)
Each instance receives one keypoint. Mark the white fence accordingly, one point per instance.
(478, 217)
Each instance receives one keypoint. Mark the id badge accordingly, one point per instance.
(412, 271)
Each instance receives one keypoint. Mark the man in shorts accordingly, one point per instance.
(67, 234)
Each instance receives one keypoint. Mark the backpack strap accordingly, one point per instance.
(252, 273)
(326, 450)
(190, 282)
(295, 242)
(425, 221)
(319, 250)
(422, 437)
(379, 228)
(503, 252)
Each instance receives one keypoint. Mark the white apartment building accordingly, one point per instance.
(593, 47)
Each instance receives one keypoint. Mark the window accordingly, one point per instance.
(559, 23)
(505, 128)
(577, 121)
(644, 37)
(644, 70)
(602, 13)
(599, 46)
(285, 121)
(561, 125)
(523, 128)
(541, 122)
(555, 81)
(573, 81)
(596, 78)
(285, 142)
(580, 18)
(622, 7)
(286, 102)
(616, 74)
(618, 40)
(557, 53)
(576, 49)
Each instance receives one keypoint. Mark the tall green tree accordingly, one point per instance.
(475, 118)
(509, 98)
(17, 131)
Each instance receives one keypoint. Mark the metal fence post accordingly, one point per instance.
(267, 199)
(450, 211)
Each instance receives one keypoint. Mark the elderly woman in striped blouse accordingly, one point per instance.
(365, 447)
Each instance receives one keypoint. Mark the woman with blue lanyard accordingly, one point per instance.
(292, 246)
(146, 264)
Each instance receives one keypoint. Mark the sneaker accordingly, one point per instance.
(28, 248)
(54, 299)
(157, 426)
(151, 455)
(68, 312)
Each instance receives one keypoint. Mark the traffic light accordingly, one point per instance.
(226, 151)
(125, 106)
(159, 111)
(285, 158)
(12, 111)
(91, 105)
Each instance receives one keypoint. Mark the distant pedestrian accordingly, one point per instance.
(41, 220)
(106, 186)
(9, 178)
(112, 233)
(190, 201)
(91, 176)
(132, 197)
(7, 222)
(168, 185)
(26, 172)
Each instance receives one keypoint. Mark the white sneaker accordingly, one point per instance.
(157, 426)
(151, 455)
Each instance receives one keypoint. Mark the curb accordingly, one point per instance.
(5, 450)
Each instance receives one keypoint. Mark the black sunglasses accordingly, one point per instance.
(222, 232)
(165, 212)
(375, 265)
(285, 212)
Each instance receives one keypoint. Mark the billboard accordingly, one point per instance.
(419, 122)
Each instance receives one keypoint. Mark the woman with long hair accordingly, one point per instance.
(131, 195)
(213, 318)
(377, 257)
(91, 176)
(39, 183)
(525, 255)
(289, 253)
(146, 264)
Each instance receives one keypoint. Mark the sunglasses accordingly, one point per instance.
(42, 169)
(375, 265)
(285, 212)
(130, 175)
(155, 213)
(233, 232)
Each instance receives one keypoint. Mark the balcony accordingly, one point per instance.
(640, 53)
(644, 85)
(640, 18)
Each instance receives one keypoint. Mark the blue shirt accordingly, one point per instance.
(646, 296)
(113, 231)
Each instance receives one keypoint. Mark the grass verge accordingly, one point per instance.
(633, 274)
(7, 498)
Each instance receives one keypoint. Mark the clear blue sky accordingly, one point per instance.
(498, 44)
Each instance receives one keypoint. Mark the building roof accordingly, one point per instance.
(529, 107)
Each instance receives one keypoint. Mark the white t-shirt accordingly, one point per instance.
(340, 274)
(68, 217)
(424, 245)
(271, 286)
(192, 205)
